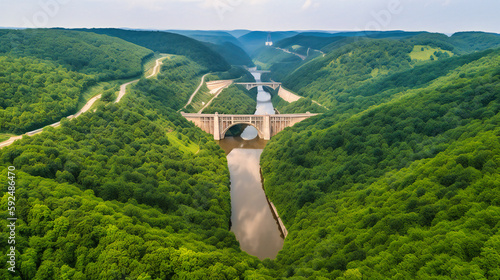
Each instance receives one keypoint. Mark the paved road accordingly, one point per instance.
(156, 70)
(88, 105)
(123, 90)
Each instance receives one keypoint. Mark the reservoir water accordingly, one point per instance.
(252, 219)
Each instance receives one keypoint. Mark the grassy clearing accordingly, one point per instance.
(261, 65)
(423, 53)
(375, 72)
(202, 97)
(173, 137)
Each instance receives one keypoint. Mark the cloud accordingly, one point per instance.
(308, 4)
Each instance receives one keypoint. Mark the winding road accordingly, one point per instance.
(88, 105)
(196, 91)
(287, 51)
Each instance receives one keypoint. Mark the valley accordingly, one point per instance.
(394, 175)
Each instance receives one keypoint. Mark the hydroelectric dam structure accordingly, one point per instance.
(267, 125)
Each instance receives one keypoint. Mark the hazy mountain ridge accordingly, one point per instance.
(170, 43)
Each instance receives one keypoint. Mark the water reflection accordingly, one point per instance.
(252, 220)
(231, 143)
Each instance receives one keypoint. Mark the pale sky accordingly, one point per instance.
(446, 16)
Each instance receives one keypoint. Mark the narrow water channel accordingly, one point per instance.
(253, 221)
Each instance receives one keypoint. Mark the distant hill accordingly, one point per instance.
(214, 37)
(257, 39)
(84, 52)
(475, 41)
(221, 42)
(308, 41)
(238, 32)
(459, 43)
(165, 42)
(369, 34)
(233, 54)
(318, 40)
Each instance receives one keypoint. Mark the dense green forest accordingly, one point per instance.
(325, 78)
(302, 105)
(232, 100)
(68, 233)
(36, 93)
(170, 43)
(305, 41)
(460, 42)
(403, 190)
(44, 72)
(102, 56)
(269, 57)
(363, 65)
(357, 73)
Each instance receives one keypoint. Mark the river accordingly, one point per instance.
(252, 219)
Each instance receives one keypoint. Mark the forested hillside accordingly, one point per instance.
(326, 78)
(233, 54)
(210, 36)
(170, 43)
(102, 56)
(271, 57)
(354, 68)
(300, 106)
(460, 42)
(178, 79)
(315, 42)
(44, 72)
(406, 189)
(221, 42)
(36, 93)
(233, 100)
